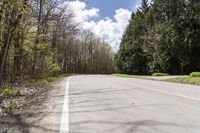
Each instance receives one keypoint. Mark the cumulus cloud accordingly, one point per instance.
(109, 30)
(82, 14)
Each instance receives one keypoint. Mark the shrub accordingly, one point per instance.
(195, 74)
(160, 74)
(33, 83)
(51, 79)
(43, 81)
(55, 70)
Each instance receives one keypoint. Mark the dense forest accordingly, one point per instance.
(40, 38)
(162, 36)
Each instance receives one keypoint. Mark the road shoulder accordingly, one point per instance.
(42, 114)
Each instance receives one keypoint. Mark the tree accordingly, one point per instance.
(162, 37)
(11, 15)
(130, 57)
(40, 38)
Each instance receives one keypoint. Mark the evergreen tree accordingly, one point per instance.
(162, 37)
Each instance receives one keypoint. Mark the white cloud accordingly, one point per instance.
(82, 14)
(111, 31)
(107, 29)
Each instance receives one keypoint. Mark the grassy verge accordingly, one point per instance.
(129, 76)
(17, 96)
(160, 74)
(185, 80)
(44, 81)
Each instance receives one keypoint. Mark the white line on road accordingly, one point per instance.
(64, 125)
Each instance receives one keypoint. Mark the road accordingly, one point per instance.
(108, 104)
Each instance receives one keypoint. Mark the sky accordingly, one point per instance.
(107, 19)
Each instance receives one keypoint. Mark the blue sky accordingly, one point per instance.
(108, 7)
(107, 19)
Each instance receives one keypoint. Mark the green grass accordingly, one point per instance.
(160, 74)
(129, 76)
(186, 80)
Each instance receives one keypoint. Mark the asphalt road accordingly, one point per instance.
(108, 104)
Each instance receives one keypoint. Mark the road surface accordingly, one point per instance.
(108, 104)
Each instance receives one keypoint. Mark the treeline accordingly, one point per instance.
(163, 36)
(40, 38)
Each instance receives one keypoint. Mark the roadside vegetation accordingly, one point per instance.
(160, 74)
(129, 76)
(193, 79)
(162, 37)
(41, 38)
(195, 74)
(16, 96)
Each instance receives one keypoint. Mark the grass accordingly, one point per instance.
(185, 80)
(160, 74)
(129, 76)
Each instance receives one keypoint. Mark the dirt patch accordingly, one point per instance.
(10, 101)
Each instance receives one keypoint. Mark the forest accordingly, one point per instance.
(40, 38)
(162, 36)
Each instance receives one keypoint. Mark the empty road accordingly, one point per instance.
(108, 104)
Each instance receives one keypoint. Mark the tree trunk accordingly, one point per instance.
(4, 54)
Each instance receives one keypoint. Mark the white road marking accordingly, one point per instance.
(170, 93)
(64, 126)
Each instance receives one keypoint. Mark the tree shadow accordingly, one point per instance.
(129, 127)
(34, 115)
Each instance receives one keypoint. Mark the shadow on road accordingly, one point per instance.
(131, 127)
(92, 110)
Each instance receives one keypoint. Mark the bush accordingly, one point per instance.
(34, 83)
(195, 74)
(55, 70)
(51, 79)
(43, 81)
(160, 74)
